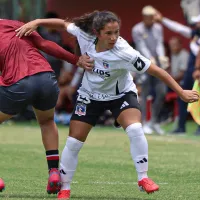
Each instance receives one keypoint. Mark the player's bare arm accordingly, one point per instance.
(31, 26)
(185, 95)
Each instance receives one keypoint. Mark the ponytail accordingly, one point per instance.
(95, 21)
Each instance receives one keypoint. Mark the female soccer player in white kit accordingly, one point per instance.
(108, 86)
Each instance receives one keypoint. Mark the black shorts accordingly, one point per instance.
(89, 111)
(39, 90)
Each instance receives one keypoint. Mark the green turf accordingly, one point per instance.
(105, 169)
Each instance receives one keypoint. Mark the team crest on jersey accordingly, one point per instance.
(80, 109)
(105, 64)
(139, 64)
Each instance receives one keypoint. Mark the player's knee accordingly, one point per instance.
(45, 120)
(134, 130)
(73, 144)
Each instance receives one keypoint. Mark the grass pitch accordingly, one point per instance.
(105, 169)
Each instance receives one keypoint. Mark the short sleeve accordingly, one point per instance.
(73, 29)
(136, 63)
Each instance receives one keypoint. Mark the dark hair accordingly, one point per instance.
(95, 21)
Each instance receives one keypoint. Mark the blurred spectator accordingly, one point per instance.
(179, 62)
(194, 49)
(190, 8)
(148, 38)
(55, 36)
(179, 59)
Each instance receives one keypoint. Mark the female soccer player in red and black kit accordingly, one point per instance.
(27, 78)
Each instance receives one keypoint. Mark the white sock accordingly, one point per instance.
(138, 148)
(69, 161)
(142, 175)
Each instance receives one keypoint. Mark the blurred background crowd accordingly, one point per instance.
(166, 32)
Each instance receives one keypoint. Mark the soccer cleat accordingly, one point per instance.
(147, 185)
(2, 185)
(54, 181)
(64, 194)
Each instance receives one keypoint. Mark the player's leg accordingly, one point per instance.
(44, 98)
(77, 135)
(84, 117)
(129, 117)
(50, 141)
(49, 133)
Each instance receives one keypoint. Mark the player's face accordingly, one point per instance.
(109, 35)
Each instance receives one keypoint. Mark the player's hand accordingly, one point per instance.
(85, 62)
(189, 96)
(27, 29)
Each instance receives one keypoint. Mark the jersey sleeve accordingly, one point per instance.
(133, 61)
(84, 39)
(73, 29)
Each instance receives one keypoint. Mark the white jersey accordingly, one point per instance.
(110, 78)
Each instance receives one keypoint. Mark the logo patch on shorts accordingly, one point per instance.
(80, 109)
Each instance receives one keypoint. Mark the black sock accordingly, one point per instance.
(52, 158)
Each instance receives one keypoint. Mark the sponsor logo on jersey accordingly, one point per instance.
(103, 74)
(139, 64)
(80, 109)
(105, 64)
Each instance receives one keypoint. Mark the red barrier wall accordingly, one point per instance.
(128, 10)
